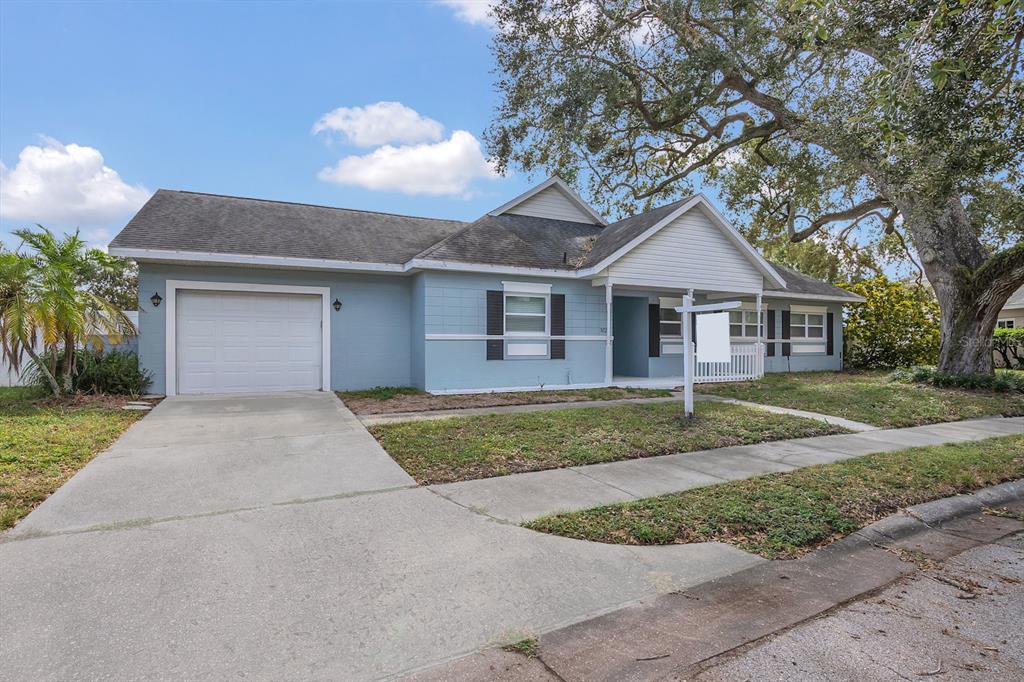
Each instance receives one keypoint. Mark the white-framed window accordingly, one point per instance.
(1004, 324)
(526, 314)
(807, 325)
(671, 321)
(743, 324)
(807, 329)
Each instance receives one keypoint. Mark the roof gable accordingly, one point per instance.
(620, 238)
(551, 199)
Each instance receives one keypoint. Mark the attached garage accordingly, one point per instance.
(238, 339)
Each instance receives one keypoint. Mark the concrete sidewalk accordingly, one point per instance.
(690, 635)
(521, 497)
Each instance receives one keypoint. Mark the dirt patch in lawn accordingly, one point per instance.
(390, 400)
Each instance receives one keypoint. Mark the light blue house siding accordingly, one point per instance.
(370, 335)
(456, 307)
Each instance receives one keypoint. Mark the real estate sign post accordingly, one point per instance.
(714, 333)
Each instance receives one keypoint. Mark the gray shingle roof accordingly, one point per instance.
(517, 240)
(191, 221)
(799, 283)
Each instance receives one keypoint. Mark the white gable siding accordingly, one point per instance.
(689, 252)
(552, 203)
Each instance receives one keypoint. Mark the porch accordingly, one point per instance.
(647, 349)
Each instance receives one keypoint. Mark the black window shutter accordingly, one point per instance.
(693, 329)
(785, 332)
(558, 326)
(770, 324)
(495, 325)
(830, 334)
(654, 330)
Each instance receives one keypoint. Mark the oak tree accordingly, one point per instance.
(818, 119)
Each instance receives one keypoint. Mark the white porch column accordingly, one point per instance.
(760, 339)
(608, 333)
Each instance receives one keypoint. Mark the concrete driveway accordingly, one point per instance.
(270, 538)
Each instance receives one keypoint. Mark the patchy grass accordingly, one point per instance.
(461, 448)
(43, 442)
(870, 397)
(781, 516)
(528, 647)
(380, 393)
(385, 400)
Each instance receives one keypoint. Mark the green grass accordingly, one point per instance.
(870, 397)
(43, 445)
(783, 515)
(380, 393)
(462, 448)
(528, 647)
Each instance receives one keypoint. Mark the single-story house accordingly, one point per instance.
(1012, 314)
(251, 295)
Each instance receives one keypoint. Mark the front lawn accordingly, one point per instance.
(43, 443)
(784, 515)
(392, 399)
(461, 448)
(870, 397)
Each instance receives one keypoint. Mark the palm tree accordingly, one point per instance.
(44, 292)
(23, 316)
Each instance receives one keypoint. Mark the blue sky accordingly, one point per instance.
(224, 98)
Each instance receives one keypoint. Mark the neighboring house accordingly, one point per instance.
(1012, 314)
(253, 295)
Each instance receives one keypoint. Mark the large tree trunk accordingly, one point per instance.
(971, 286)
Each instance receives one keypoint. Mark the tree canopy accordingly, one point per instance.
(884, 122)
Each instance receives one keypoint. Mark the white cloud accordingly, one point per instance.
(66, 184)
(477, 12)
(380, 123)
(441, 168)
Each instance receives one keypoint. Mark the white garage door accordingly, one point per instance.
(247, 342)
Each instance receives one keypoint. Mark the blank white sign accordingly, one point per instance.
(713, 337)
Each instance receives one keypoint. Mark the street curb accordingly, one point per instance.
(909, 521)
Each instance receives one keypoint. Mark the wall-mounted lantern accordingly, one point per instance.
(337, 305)
(155, 300)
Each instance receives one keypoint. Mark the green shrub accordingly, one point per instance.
(1009, 344)
(897, 326)
(116, 372)
(1001, 381)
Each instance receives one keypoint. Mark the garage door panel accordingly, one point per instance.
(248, 342)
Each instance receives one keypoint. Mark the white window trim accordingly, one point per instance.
(805, 339)
(1007, 322)
(532, 291)
(666, 302)
(748, 307)
(171, 288)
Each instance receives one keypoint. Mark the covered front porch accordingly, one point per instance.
(647, 349)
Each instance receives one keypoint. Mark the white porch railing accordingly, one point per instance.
(747, 363)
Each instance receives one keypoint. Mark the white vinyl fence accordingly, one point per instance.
(747, 363)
